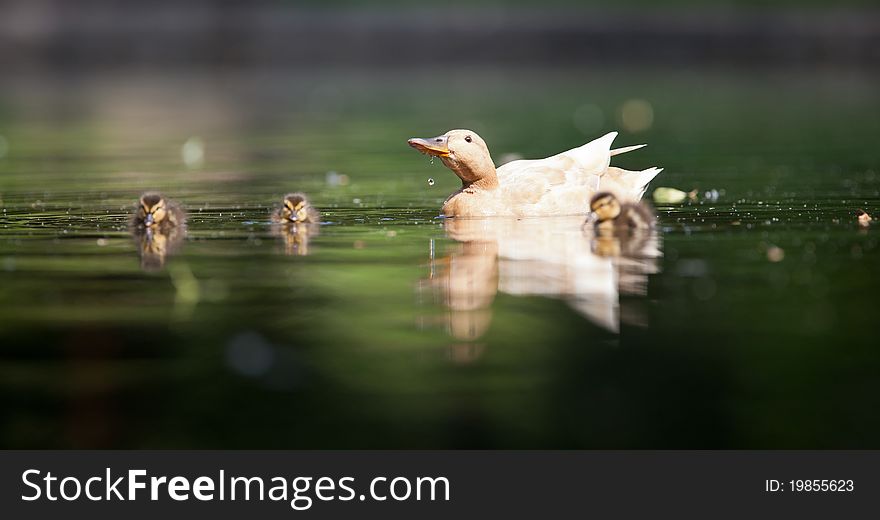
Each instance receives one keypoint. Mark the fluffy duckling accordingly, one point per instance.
(154, 211)
(611, 217)
(296, 208)
(558, 185)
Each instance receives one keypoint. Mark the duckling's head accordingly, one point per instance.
(152, 209)
(295, 208)
(605, 206)
(462, 151)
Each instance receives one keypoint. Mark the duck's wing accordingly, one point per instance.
(570, 176)
(577, 166)
(525, 183)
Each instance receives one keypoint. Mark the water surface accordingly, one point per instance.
(749, 325)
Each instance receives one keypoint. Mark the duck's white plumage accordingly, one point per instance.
(559, 185)
(564, 183)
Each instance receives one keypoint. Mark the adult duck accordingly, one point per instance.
(559, 185)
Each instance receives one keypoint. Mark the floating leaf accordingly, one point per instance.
(665, 195)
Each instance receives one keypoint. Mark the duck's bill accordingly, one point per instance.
(434, 146)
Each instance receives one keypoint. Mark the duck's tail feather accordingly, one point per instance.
(630, 185)
(618, 151)
(593, 157)
(644, 178)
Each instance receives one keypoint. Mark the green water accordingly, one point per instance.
(755, 330)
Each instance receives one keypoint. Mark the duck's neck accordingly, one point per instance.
(484, 178)
(485, 183)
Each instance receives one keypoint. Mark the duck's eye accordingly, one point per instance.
(468, 138)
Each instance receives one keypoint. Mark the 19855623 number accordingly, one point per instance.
(821, 486)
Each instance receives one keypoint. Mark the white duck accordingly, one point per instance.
(559, 185)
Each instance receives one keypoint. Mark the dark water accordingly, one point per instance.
(748, 322)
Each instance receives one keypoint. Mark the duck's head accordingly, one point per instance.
(462, 151)
(152, 209)
(295, 208)
(605, 206)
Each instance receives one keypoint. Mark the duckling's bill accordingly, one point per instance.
(436, 146)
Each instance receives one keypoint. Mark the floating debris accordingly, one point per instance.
(665, 195)
(864, 218)
(430, 181)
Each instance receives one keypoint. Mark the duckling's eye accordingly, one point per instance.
(468, 138)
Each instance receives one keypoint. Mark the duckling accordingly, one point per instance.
(296, 208)
(558, 185)
(610, 217)
(863, 218)
(154, 211)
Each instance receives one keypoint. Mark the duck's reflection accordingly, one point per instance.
(553, 257)
(295, 236)
(155, 245)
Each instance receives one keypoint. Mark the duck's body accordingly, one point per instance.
(155, 212)
(559, 185)
(296, 209)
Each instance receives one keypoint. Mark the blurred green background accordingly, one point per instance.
(757, 331)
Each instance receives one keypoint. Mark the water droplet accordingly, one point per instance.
(430, 181)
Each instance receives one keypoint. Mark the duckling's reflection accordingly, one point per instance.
(295, 236)
(155, 245)
(553, 257)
